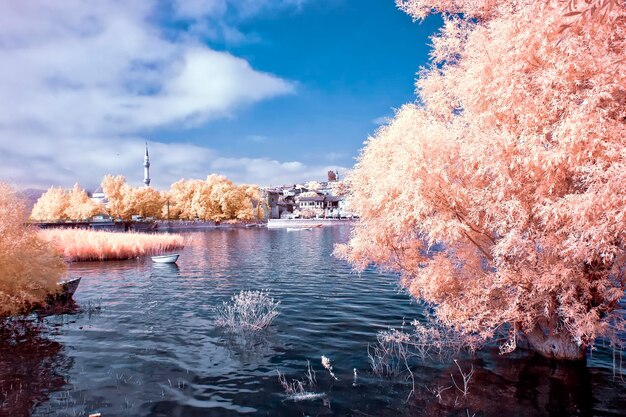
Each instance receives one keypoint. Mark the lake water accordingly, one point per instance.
(145, 344)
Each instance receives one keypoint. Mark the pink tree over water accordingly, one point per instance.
(513, 159)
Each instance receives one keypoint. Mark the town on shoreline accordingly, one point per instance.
(191, 204)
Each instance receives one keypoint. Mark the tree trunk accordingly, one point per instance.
(544, 340)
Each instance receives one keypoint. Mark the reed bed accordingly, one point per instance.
(88, 245)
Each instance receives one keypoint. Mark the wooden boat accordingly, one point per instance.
(66, 291)
(165, 259)
(59, 301)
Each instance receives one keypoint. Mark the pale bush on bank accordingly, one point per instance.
(248, 310)
(88, 245)
(29, 267)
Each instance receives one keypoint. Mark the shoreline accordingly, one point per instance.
(284, 223)
(181, 225)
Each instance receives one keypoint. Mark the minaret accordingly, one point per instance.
(146, 168)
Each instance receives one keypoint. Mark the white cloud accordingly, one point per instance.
(238, 9)
(220, 19)
(67, 160)
(83, 81)
(117, 74)
(194, 9)
(382, 120)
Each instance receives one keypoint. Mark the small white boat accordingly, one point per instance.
(165, 259)
(298, 229)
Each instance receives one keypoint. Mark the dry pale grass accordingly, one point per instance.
(88, 245)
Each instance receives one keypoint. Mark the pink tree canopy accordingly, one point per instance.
(513, 161)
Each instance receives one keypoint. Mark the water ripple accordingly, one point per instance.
(152, 349)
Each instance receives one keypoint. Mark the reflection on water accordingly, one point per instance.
(169, 269)
(521, 384)
(31, 367)
(152, 349)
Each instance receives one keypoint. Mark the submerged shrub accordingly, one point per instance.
(301, 390)
(248, 310)
(395, 349)
(326, 364)
(29, 266)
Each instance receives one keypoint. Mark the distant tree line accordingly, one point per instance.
(214, 199)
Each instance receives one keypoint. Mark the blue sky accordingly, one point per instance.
(262, 91)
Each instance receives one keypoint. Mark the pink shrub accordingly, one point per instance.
(87, 245)
(29, 268)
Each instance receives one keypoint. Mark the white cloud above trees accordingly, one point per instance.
(83, 81)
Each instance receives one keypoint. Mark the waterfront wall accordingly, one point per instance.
(281, 223)
(170, 225)
(180, 225)
(175, 225)
(106, 226)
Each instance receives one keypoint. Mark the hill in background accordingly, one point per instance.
(31, 195)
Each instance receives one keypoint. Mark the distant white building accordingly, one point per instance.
(99, 197)
(287, 201)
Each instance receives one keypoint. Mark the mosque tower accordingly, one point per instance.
(146, 168)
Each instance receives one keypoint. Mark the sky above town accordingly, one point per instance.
(263, 91)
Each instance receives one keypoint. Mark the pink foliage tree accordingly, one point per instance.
(513, 163)
(51, 206)
(215, 199)
(29, 267)
(58, 204)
